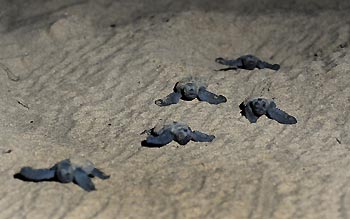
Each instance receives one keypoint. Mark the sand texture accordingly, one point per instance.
(79, 78)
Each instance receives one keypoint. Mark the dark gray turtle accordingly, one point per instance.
(181, 133)
(253, 108)
(65, 171)
(248, 62)
(189, 89)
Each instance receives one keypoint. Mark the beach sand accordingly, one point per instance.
(84, 78)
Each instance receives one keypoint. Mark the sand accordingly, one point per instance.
(90, 71)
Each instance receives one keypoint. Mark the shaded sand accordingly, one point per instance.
(87, 88)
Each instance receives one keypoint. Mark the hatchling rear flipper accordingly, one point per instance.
(280, 116)
(262, 64)
(202, 137)
(37, 174)
(162, 139)
(82, 179)
(204, 95)
(98, 173)
(172, 98)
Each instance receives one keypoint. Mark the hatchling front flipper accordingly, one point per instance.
(204, 95)
(37, 174)
(82, 179)
(172, 98)
(262, 64)
(279, 115)
(198, 136)
(164, 138)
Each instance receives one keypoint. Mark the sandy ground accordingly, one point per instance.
(89, 72)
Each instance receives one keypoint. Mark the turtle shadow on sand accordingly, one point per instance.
(144, 143)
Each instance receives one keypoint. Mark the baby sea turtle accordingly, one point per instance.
(248, 62)
(181, 133)
(65, 171)
(253, 108)
(189, 89)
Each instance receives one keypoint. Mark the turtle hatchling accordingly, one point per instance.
(65, 171)
(189, 89)
(248, 62)
(181, 133)
(253, 108)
